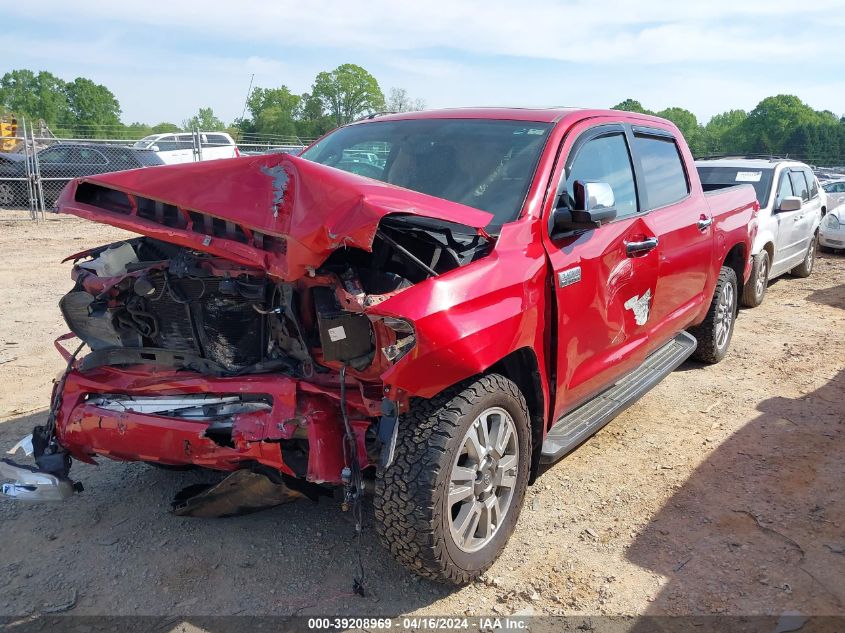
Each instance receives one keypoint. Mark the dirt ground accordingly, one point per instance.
(721, 491)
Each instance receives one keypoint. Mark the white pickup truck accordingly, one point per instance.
(791, 209)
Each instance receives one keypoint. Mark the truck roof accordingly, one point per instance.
(540, 115)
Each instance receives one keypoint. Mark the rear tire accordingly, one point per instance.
(805, 269)
(715, 332)
(447, 505)
(755, 289)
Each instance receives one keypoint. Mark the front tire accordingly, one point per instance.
(755, 289)
(447, 505)
(805, 269)
(715, 332)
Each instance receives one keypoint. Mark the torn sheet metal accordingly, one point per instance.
(242, 492)
(277, 212)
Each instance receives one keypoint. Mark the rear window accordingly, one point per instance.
(663, 170)
(713, 178)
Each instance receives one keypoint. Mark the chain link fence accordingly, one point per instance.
(34, 168)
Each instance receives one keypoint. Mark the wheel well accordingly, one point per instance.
(770, 249)
(735, 260)
(522, 369)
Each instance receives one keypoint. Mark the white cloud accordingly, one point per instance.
(166, 59)
(579, 30)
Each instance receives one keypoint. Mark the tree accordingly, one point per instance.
(723, 133)
(348, 92)
(92, 108)
(399, 101)
(769, 125)
(311, 119)
(41, 96)
(136, 130)
(631, 105)
(273, 111)
(205, 121)
(164, 127)
(688, 124)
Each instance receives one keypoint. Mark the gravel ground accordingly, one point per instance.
(719, 492)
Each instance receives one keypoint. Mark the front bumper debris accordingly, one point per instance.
(28, 484)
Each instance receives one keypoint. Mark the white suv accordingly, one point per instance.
(182, 148)
(790, 214)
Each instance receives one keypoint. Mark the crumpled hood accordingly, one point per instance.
(277, 212)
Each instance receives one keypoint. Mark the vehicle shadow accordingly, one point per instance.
(759, 527)
(833, 296)
(120, 551)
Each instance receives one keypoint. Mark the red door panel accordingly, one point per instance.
(602, 294)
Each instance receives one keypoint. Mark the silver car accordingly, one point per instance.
(835, 190)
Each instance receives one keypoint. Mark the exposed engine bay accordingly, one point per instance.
(148, 302)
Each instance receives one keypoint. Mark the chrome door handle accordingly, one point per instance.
(638, 248)
(704, 223)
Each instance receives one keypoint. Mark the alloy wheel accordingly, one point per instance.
(483, 479)
(725, 315)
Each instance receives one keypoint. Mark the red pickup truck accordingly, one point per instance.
(422, 306)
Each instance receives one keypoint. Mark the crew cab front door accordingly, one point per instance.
(603, 278)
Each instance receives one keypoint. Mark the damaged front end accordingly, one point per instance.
(245, 330)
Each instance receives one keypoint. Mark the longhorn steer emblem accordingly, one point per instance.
(639, 305)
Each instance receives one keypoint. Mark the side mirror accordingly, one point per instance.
(790, 203)
(595, 205)
(153, 148)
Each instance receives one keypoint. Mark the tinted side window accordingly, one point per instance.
(91, 156)
(605, 159)
(812, 182)
(55, 155)
(799, 185)
(215, 140)
(784, 189)
(663, 170)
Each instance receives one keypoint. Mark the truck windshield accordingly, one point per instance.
(720, 177)
(483, 163)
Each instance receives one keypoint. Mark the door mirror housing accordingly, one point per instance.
(595, 205)
(790, 203)
(154, 148)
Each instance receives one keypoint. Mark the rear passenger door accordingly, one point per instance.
(683, 226)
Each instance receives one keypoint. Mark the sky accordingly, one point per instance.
(165, 60)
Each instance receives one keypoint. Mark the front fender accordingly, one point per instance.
(470, 318)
